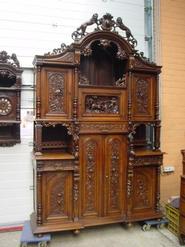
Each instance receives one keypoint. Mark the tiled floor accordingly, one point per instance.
(104, 236)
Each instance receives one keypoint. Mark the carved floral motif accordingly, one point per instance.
(57, 193)
(102, 104)
(141, 190)
(114, 174)
(56, 92)
(142, 96)
(90, 151)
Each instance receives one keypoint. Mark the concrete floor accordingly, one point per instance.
(105, 236)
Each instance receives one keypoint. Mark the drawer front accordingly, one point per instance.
(55, 165)
(102, 128)
(148, 160)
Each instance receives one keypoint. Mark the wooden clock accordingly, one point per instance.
(10, 90)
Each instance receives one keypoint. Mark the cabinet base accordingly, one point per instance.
(82, 223)
(57, 227)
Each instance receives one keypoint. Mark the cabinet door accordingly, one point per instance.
(115, 175)
(57, 196)
(143, 96)
(56, 93)
(144, 191)
(91, 174)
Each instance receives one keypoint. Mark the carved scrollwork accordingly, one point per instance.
(63, 47)
(83, 80)
(106, 23)
(7, 59)
(94, 127)
(146, 60)
(121, 82)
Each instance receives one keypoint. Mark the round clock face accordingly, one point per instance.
(5, 106)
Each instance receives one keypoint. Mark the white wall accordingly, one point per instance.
(35, 27)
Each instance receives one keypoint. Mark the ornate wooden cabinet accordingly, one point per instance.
(10, 89)
(97, 151)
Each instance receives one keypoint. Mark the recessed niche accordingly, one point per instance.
(103, 67)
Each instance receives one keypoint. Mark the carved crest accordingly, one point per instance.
(106, 23)
(57, 51)
(7, 59)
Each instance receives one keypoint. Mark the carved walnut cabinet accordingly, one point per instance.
(97, 151)
(10, 93)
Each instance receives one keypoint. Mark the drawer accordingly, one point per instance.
(55, 165)
(101, 128)
(148, 160)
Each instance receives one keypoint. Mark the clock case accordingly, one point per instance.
(10, 94)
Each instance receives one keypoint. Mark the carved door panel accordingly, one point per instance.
(144, 190)
(143, 97)
(115, 175)
(57, 196)
(91, 175)
(56, 96)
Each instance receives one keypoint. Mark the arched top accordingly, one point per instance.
(107, 24)
(10, 70)
(103, 31)
(105, 40)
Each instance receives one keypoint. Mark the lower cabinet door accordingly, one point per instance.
(57, 196)
(91, 175)
(144, 191)
(115, 175)
(103, 162)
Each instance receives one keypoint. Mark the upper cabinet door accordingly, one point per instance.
(56, 93)
(143, 97)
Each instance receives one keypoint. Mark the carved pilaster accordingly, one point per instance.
(38, 99)
(157, 134)
(129, 99)
(76, 176)
(39, 196)
(158, 189)
(157, 100)
(17, 106)
(38, 137)
(130, 171)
